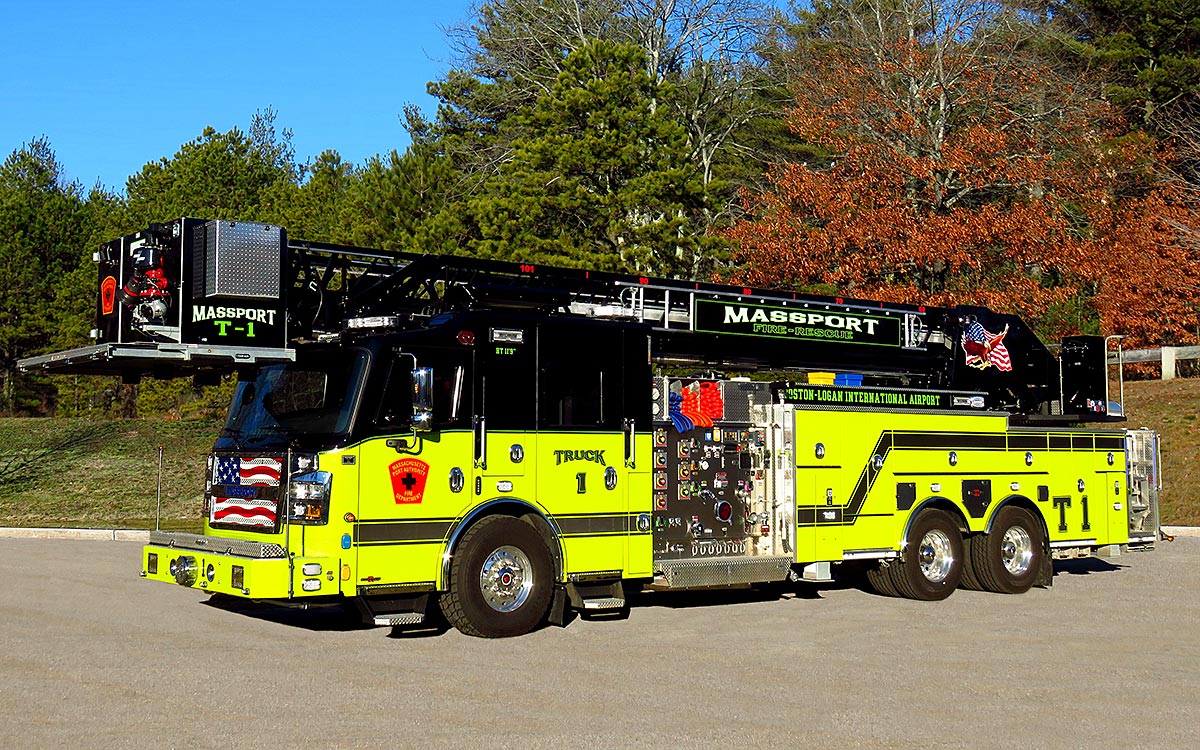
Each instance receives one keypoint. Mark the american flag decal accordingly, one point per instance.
(258, 472)
(234, 499)
(985, 349)
(243, 512)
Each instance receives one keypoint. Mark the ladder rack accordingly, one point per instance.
(374, 284)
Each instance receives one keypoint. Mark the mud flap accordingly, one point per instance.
(558, 607)
(1046, 574)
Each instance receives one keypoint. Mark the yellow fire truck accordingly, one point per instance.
(507, 442)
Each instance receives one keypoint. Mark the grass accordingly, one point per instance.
(76, 473)
(1171, 407)
(64, 472)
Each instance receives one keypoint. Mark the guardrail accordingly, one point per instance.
(1168, 355)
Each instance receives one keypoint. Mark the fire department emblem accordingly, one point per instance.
(408, 480)
(108, 295)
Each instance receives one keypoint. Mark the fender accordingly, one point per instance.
(1014, 500)
(482, 510)
(936, 499)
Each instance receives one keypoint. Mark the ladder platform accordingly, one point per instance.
(158, 359)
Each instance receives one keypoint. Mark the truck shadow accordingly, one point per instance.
(1084, 566)
(320, 618)
(346, 618)
(738, 595)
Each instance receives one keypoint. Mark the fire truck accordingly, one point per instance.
(508, 443)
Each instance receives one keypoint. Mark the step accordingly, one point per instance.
(399, 619)
(609, 602)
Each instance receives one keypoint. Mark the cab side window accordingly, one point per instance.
(451, 390)
(579, 378)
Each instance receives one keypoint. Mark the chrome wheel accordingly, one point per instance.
(1016, 550)
(936, 555)
(506, 579)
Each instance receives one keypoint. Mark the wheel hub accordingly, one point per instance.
(505, 579)
(1016, 550)
(936, 555)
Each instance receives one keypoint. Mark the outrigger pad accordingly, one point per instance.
(185, 297)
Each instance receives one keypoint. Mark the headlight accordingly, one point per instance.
(308, 497)
(183, 569)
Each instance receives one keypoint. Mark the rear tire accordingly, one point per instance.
(500, 579)
(1009, 559)
(970, 579)
(933, 558)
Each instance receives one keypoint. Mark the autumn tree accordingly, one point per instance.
(965, 169)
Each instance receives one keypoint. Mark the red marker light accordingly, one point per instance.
(466, 338)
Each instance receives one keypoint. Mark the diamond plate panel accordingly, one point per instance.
(740, 396)
(723, 571)
(217, 545)
(242, 259)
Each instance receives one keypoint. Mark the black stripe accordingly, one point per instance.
(950, 440)
(963, 473)
(596, 524)
(1109, 443)
(1028, 442)
(411, 531)
(1082, 443)
(396, 543)
(862, 488)
(816, 516)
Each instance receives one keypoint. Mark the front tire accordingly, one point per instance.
(500, 579)
(933, 558)
(1008, 560)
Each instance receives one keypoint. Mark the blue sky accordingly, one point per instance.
(116, 84)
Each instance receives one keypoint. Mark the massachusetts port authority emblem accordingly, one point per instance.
(408, 480)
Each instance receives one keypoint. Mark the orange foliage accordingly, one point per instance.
(1005, 189)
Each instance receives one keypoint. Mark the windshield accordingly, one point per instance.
(312, 399)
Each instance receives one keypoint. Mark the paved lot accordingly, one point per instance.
(93, 657)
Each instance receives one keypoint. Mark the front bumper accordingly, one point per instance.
(237, 567)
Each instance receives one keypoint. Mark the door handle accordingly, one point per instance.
(480, 424)
(630, 459)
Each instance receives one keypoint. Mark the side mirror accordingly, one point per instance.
(422, 390)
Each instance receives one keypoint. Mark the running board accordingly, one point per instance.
(393, 611)
(398, 619)
(596, 596)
